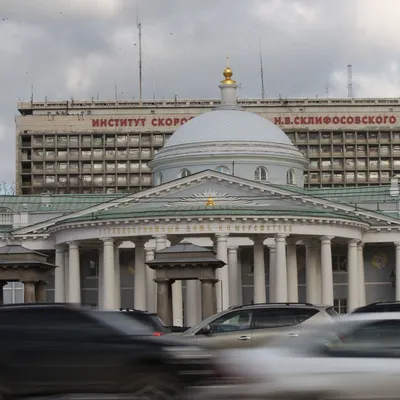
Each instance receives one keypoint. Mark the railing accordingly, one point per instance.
(6, 219)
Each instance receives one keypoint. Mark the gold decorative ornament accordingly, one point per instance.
(210, 202)
(379, 260)
(228, 75)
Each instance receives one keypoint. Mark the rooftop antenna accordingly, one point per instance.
(31, 93)
(262, 73)
(115, 92)
(139, 26)
(349, 81)
(327, 90)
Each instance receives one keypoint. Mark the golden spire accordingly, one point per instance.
(228, 74)
(210, 202)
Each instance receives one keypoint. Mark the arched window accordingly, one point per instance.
(261, 174)
(290, 178)
(185, 172)
(223, 169)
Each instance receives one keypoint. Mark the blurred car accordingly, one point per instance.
(359, 359)
(255, 325)
(152, 320)
(379, 306)
(55, 349)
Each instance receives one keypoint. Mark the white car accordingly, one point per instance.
(361, 360)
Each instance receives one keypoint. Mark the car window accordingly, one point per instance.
(332, 312)
(279, 317)
(375, 308)
(231, 322)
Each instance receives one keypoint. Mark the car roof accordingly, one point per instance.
(383, 316)
(275, 305)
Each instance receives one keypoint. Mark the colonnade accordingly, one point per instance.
(283, 274)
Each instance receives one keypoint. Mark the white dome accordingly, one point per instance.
(228, 126)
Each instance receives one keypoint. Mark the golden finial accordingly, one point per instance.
(210, 202)
(228, 74)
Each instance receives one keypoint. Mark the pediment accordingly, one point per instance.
(225, 192)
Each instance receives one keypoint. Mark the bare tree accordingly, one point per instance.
(7, 189)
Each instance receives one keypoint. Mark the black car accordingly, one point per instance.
(380, 306)
(54, 349)
(152, 320)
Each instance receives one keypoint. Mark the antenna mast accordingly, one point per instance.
(139, 26)
(262, 73)
(350, 81)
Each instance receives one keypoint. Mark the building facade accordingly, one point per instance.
(233, 181)
(106, 146)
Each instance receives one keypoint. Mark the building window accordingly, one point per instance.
(185, 172)
(223, 169)
(290, 180)
(160, 179)
(340, 306)
(339, 262)
(92, 269)
(261, 174)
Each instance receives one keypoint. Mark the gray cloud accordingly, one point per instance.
(81, 48)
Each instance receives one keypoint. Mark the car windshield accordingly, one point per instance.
(122, 323)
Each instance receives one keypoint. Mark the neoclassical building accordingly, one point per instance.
(228, 180)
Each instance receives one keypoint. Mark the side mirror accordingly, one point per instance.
(205, 330)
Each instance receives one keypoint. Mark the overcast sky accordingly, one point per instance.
(83, 48)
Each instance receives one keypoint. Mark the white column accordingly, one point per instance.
(66, 274)
(100, 287)
(59, 276)
(318, 273)
(311, 273)
(140, 276)
(352, 271)
(191, 302)
(397, 271)
(151, 294)
(259, 270)
(74, 274)
(117, 277)
(293, 285)
(272, 272)
(240, 287)
(108, 275)
(361, 275)
(281, 269)
(326, 271)
(177, 292)
(222, 273)
(233, 275)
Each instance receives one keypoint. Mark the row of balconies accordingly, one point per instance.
(355, 166)
(299, 139)
(99, 181)
(132, 141)
(313, 154)
(134, 167)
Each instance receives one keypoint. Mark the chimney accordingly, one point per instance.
(394, 186)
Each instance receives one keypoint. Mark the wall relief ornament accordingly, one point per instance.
(379, 260)
(219, 199)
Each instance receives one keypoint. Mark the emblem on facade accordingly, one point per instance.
(211, 198)
(379, 260)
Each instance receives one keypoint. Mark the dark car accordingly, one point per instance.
(379, 306)
(152, 320)
(54, 349)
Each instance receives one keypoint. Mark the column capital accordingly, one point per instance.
(221, 237)
(397, 244)
(258, 239)
(326, 239)
(73, 245)
(360, 245)
(107, 241)
(159, 236)
(233, 249)
(281, 237)
(353, 242)
(272, 247)
(163, 280)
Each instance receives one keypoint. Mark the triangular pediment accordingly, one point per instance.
(222, 192)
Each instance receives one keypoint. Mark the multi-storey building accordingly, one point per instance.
(105, 146)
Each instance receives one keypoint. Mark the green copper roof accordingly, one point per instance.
(63, 203)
